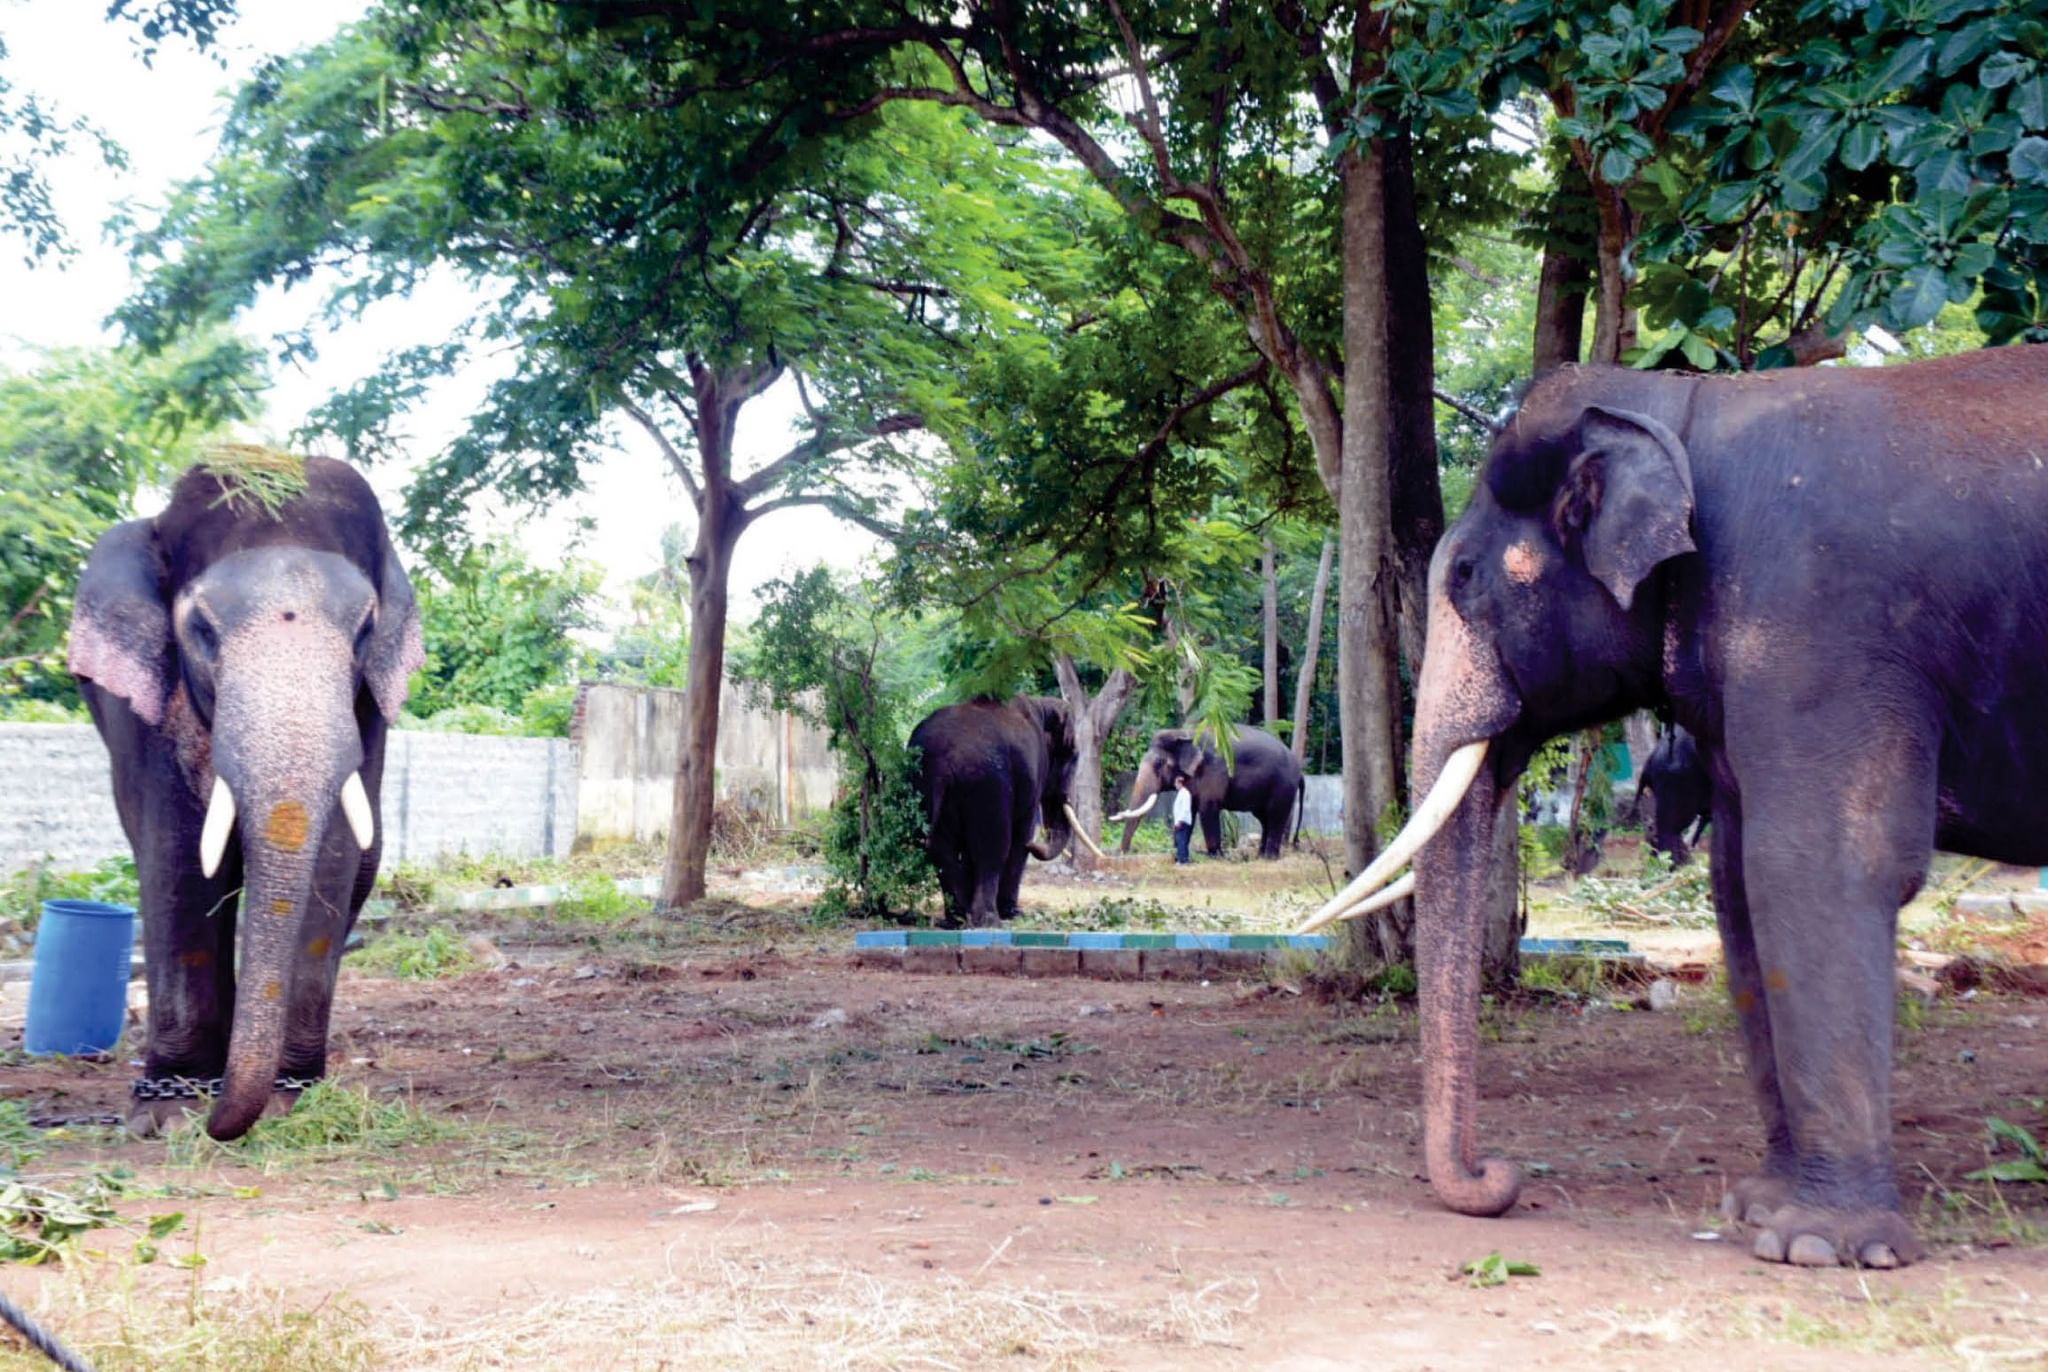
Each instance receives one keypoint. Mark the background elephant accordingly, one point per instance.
(1833, 579)
(242, 666)
(1263, 779)
(1681, 794)
(988, 771)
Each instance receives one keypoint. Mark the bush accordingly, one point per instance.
(22, 894)
(21, 711)
(548, 711)
(875, 861)
(471, 719)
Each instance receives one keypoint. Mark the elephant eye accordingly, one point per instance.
(1461, 573)
(205, 637)
(363, 632)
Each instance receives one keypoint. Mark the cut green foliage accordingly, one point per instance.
(1494, 1270)
(330, 1118)
(255, 479)
(426, 956)
(39, 1216)
(1659, 897)
(2030, 1166)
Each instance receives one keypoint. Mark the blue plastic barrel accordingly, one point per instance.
(78, 992)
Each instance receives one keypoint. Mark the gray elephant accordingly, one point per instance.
(988, 772)
(1680, 795)
(1833, 579)
(242, 661)
(1261, 778)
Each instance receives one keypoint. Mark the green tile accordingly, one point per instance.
(934, 938)
(1038, 938)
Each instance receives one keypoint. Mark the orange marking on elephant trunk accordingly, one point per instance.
(1775, 980)
(287, 826)
(319, 946)
(280, 907)
(273, 990)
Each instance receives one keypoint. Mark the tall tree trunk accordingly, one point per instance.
(1614, 324)
(1271, 659)
(1367, 590)
(1417, 500)
(1094, 717)
(1305, 680)
(720, 521)
(1560, 309)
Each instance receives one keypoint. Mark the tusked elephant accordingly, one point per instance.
(988, 771)
(1262, 778)
(1680, 795)
(1837, 581)
(242, 661)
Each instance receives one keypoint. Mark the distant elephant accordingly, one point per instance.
(1262, 778)
(1834, 579)
(1681, 794)
(988, 772)
(242, 661)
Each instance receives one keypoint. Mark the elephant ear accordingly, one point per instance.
(1626, 501)
(396, 648)
(120, 627)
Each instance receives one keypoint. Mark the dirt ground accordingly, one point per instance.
(718, 1153)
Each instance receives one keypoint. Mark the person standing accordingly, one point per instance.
(1183, 818)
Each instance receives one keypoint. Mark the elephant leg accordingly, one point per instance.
(1823, 883)
(1013, 878)
(1212, 829)
(1273, 829)
(1130, 832)
(1772, 1187)
(983, 912)
(955, 889)
(188, 953)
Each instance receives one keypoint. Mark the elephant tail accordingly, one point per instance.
(1300, 807)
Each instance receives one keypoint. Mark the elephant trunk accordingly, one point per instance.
(1464, 702)
(287, 751)
(1059, 830)
(1451, 886)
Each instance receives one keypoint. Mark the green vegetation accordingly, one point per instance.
(498, 629)
(22, 893)
(331, 1119)
(434, 953)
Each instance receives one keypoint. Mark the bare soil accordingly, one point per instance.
(748, 1156)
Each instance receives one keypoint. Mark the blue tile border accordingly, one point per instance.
(1600, 948)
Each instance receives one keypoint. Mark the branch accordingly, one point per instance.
(828, 500)
(1698, 62)
(818, 446)
(677, 463)
(1477, 416)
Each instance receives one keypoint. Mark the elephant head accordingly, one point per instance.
(1543, 617)
(1173, 754)
(263, 643)
(1055, 810)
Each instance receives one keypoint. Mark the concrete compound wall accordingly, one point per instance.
(630, 739)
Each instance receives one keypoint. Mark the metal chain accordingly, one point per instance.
(193, 1088)
(41, 1339)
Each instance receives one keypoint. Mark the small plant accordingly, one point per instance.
(22, 894)
(2030, 1166)
(596, 899)
(439, 952)
(1494, 1270)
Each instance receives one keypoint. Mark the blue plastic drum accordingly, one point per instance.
(78, 992)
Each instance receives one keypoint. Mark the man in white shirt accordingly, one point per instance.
(1183, 818)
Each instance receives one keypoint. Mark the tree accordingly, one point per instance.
(79, 436)
(498, 628)
(658, 246)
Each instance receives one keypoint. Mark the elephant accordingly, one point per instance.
(1681, 795)
(1262, 778)
(242, 659)
(1833, 580)
(987, 772)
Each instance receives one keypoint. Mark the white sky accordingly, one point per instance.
(167, 117)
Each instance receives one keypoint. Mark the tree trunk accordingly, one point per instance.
(1560, 309)
(1271, 659)
(1093, 719)
(1305, 681)
(1367, 591)
(1614, 324)
(689, 837)
(1417, 495)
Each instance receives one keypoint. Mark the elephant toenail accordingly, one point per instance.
(1811, 1250)
(1877, 1254)
(1768, 1246)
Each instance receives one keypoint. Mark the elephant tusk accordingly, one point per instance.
(220, 822)
(1144, 809)
(1402, 888)
(1081, 832)
(355, 806)
(1451, 784)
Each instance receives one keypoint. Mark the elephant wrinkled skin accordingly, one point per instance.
(242, 668)
(1836, 581)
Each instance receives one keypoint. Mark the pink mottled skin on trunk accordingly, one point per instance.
(284, 739)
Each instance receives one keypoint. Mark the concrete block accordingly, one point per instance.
(879, 959)
(1050, 962)
(1171, 964)
(992, 961)
(1230, 962)
(1112, 964)
(931, 960)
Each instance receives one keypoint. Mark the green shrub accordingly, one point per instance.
(548, 711)
(471, 719)
(22, 894)
(17, 710)
(439, 952)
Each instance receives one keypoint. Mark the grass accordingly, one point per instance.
(255, 479)
(426, 956)
(123, 1322)
(331, 1120)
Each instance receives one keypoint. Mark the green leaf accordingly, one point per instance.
(163, 1226)
(1921, 293)
(1698, 351)
(2028, 161)
(1861, 145)
(2002, 69)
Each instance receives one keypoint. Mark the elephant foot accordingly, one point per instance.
(149, 1118)
(1752, 1199)
(1814, 1236)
